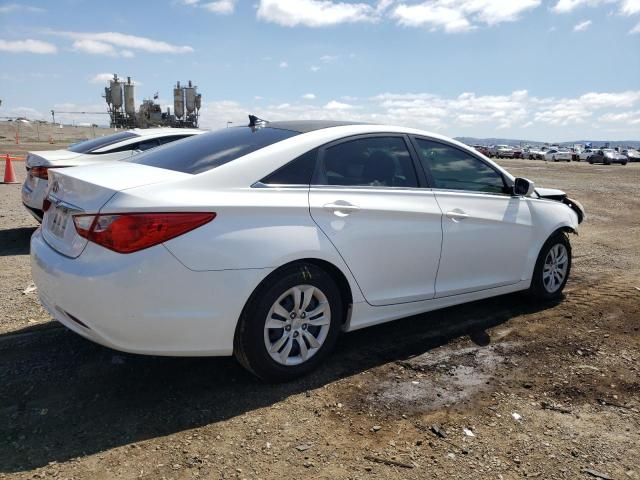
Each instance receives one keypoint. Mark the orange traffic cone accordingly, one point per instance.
(9, 174)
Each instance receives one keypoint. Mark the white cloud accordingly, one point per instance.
(335, 105)
(328, 58)
(460, 15)
(632, 118)
(315, 13)
(221, 7)
(582, 26)
(309, 96)
(94, 47)
(635, 30)
(283, 64)
(16, 7)
(101, 78)
(27, 46)
(105, 43)
(314, 68)
(625, 7)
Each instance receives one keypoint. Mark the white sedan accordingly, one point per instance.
(268, 241)
(556, 155)
(118, 146)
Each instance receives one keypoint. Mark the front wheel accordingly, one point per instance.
(290, 324)
(552, 268)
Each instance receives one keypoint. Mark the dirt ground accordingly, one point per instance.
(497, 389)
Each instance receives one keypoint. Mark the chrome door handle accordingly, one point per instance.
(341, 209)
(457, 215)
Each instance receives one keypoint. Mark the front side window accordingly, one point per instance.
(371, 162)
(455, 169)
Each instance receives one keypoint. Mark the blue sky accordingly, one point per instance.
(537, 69)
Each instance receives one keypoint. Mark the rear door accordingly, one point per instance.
(367, 197)
(486, 230)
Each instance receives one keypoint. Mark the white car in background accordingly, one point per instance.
(556, 155)
(268, 241)
(632, 155)
(118, 146)
(586, 153)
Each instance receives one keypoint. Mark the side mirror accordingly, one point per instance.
(523, 187)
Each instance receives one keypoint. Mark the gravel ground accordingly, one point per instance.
(500, 389)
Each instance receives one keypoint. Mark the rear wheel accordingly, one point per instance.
(290, 324)
(552, 268)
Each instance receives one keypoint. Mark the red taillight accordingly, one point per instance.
(130, 232)
(39, 172)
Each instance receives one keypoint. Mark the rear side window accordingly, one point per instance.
(89, 146)
(371, 161)
(455, 169)
(210, 150)
(135, 147)
(296, 172)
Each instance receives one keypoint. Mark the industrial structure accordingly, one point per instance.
(120, 98)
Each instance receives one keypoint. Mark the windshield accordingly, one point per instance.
(210, 150)
(89, 146)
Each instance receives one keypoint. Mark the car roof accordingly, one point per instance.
(306, 126)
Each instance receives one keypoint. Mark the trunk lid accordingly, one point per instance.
(46, 158)
(79, 190)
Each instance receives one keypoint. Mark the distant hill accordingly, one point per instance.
(511, 141)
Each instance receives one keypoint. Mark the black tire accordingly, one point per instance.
(537, 290)
(249, 343)
(624, 163)
(554, 158)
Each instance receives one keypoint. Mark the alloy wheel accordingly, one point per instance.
(297, 325)
(555, 268)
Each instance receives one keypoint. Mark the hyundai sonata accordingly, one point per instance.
(268, 241)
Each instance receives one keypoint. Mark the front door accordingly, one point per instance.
(366, 199)
(487, 231)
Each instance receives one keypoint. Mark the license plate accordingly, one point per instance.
(58, 223)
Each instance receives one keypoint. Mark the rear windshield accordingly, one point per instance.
(90, 145)
(210, 150)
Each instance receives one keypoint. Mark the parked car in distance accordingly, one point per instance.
(533, 153)
(586, 153)
(608, 156)
(504, 151)
(556, 155)
(517, 152)
(632, 155)
(483, 150)
(118, 146)
(268, 241)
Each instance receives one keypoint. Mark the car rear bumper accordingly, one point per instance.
(33, 193)
(146, 302)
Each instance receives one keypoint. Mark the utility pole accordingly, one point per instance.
(53, 116)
